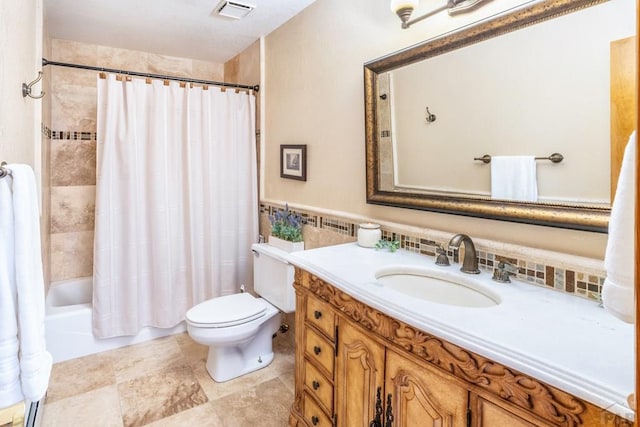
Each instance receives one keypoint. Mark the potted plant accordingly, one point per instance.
(286, 230)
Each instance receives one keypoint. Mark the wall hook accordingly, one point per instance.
(26, 88)
(430, 117)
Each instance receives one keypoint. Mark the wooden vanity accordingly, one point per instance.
(357, 366)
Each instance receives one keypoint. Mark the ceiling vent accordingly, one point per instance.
(233, 9)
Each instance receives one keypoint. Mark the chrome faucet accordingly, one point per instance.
(470, 262)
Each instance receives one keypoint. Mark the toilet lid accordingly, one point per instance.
(228, 310)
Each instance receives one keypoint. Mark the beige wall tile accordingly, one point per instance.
(71, 255)
(124, 59)
(232, 69)
(208, 70)
(64, 76)
(74, 52)
(249, 71)
(73, 208)
(314, 237)
(169, 65)
(73, 162)
(74, 108)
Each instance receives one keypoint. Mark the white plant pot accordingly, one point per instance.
(286, 245)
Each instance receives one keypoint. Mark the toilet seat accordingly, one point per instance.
(226, 311)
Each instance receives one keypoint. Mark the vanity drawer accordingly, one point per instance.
(318, 386)
(319, 351)
(313, 415)
(320, 314)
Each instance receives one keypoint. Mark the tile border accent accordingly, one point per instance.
(67, 134)
(73, 135)
(45, 131)
(560, 277)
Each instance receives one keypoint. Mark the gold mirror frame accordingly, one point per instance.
(554, 215)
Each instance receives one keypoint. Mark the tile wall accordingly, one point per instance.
(70, 134)
(560, 273)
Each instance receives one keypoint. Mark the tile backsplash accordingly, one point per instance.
(323, 230)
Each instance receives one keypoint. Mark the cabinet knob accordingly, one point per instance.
(315, 420)
(317, 350)
(315, 384)
(317, 314)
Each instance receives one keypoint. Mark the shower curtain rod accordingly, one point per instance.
(46, 62)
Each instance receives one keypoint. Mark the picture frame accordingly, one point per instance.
(293, 162)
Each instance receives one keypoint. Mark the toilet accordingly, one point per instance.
(239, 328)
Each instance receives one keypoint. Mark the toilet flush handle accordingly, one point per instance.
(256, 253)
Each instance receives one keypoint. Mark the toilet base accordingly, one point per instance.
(221, 372)
(225, 363)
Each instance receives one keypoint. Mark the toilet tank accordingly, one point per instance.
(273, 276)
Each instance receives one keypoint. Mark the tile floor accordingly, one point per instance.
(164, 382)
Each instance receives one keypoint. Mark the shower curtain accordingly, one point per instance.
(176, 202)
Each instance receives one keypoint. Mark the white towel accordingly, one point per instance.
(23, 247)
(619, 259)
(514, 178)
(10, 388)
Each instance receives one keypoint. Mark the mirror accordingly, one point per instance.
(433, 110)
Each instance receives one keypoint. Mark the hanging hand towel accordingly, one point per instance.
(35, 361)
(514, 178)
(619, 258)
(10, 388)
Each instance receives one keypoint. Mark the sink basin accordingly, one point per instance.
(442, 287)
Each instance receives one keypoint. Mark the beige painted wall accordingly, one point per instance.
(21, 47)
(21, 139)
(313, 89)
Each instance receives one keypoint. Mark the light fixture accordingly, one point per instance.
(404, 9)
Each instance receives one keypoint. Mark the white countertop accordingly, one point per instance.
(566, 341)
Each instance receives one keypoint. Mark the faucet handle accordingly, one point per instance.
(442, 259)
(503, 271)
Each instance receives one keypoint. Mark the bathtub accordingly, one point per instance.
(68, 330)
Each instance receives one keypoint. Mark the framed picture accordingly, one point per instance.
(293, 162)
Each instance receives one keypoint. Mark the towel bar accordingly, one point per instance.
(554, 158)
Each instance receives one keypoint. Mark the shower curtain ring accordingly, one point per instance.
(26, 88)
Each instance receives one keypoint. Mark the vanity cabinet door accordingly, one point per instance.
(490, 414)
(359, 373)
(422, 396)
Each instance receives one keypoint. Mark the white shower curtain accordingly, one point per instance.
(176, 204)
